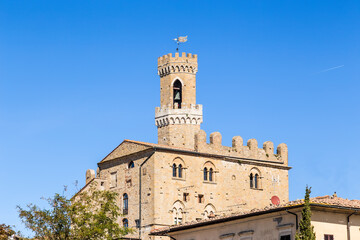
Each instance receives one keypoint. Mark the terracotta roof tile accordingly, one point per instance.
(322, 200)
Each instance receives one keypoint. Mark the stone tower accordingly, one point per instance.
(178, 118)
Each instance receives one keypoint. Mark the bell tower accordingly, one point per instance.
(178, 118)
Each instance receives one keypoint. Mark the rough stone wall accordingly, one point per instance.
(182, 67)
(181, 135)
(229, 192)
(128, 182)
(250, 151)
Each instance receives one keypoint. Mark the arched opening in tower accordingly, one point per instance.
(177, 94)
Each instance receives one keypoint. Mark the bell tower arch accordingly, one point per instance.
(177, 94)
(178, 118)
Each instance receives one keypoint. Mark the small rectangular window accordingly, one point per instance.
(186, 197)
(128, 183)
(114, 179)
(137, 223)
(201, 198)
(285, 237)
(328, 237)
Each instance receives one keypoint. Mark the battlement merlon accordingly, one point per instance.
(187, 115)
(184, 58)
(186, 63)
(250, 151)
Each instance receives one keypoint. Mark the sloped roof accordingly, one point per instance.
(323, 201)
(128, 147)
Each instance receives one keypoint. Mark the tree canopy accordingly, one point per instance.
(6, 231)
(89, 215)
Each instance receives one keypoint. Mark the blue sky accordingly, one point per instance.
(78, 77)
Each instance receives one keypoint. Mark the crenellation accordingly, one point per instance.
(268, 147)
(251, 150)
(186, 63)
(90, 175)
(200, 140)
(185, 177)
(215, 139)
(282, 153)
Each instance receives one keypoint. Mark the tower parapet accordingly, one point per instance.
(186, 63)
(179, 117)
(192, 115)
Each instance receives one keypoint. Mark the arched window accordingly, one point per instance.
(255, 178)
(205, 174)
(174, 170)
(125, 203)
(125, 223)
(251, 180)
(180, 171)
(256, 181)
(211, 175)
(131, 164)
(177, 211)
(209, 211)
(177, 89)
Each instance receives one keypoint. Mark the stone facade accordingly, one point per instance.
(332, 218)
(178, 118)
(183, 178)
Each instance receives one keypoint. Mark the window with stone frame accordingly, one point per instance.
(211, 175)
(251, 178)
(177, 92)
(186, 197)
(131, 165)
(201, 198)
(125, 223)
(328, 237)
(113, 179)
(255, 178)
(177, 212)
(205, 174)
(137, 223)
(285, 237)
(209, 172)
(178, 168)
(209, 211)
(125, 204)
(174, 172)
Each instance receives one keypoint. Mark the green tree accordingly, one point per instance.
(6, 231)
(306, 231)
(89, 215)
(99, 222)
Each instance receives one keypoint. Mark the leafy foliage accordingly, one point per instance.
(53, 223)
(306, 231)
(90, 215)
(6, 231)
(94, 215)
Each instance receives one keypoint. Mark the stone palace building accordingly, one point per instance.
(183, 178)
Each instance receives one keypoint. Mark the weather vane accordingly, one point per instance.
(180, 40)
